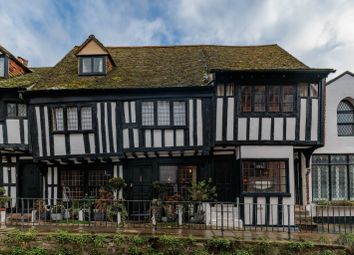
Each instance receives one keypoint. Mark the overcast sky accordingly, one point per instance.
(318, 32)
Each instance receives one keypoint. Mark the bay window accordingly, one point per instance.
(265, 176)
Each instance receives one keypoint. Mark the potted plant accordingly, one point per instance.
(104, 200)
(159, 189)
(57, 211)
(3, 202)
(117, 183)
(41, 209)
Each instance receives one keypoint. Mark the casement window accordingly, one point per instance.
(58, 119)
(15, 110)
(86, 118)
(265, 176)
(71, 122)
(164, 109)
(225, 90)
(179, 178)
(259, 99)
(94, 65)
(308, 89)
(332, 177)
(72, 119)
(2, 67)
(271, 99)
(345, 118)
(77, 184)
(163, 113)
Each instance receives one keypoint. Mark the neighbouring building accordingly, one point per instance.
(248, 118)
(333, 165)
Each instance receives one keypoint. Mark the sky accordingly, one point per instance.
(318, 32)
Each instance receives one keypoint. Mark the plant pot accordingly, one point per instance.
(56, 216)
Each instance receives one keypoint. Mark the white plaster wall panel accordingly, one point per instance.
(1, 134)
(219, 110)
(261, 208)
(136, 137)
(157, 138)
(266, 128)
(92, 143)
(13, 131)
(25, 129)
(273, 211)
(278, 129)
(46, 126)
(147, 138)
(114, 126)
(288, 212)
(242, 129)
(248, 213)
(59, 144)
(303, 105)
(39, 130)
(108, 147)
(126, 112)
(314, 120)
(290, 129)
(132, 111)
(125, 138)
(199, 123)
(254, 128)
(77, 145)
(342, 88)
(191, 123)
(230, 119)
(99, 127)
(179, 137)
(169, 138)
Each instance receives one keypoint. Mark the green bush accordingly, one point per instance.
(299, 246)
(218, 245)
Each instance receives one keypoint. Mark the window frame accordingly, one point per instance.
(267, 111)
(5, 66)
(345, 123)
(16, 103)
(171, 125)
(92, 73)
(329, 164)
(276, 193)
(79, 118)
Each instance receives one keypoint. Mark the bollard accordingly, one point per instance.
(119, 218)
(81, 215)
(180, 215)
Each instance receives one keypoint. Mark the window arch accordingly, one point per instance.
(345, 118)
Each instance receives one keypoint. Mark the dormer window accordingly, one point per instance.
(92, 65)
(2, 66)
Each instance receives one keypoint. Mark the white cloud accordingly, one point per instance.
(318, 32)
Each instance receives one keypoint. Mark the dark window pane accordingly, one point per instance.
(58, 119)
(11, 110)
(274, 99)
(147, 113)
(163, 113)
(320, 182)
(303, 89)
(246, 102)
(179, 113)
(260, 99)
(2, 67)
(345, 118)
(86, 118)
(72, 118)
(288, 98)
(319, 159)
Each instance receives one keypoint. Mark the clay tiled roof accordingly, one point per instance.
(167, 66)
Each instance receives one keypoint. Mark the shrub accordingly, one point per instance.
(346, 239)
(299, 246)
(218, 244)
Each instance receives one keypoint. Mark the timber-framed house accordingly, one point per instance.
(248, 118)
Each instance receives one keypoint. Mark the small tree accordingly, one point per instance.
(3, 198)
(202, 191)
(117, 183)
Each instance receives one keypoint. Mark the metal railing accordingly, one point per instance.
(177, 214)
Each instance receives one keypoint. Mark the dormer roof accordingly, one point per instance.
(12, 57)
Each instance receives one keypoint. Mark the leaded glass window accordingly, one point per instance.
(58, 119)
(163, 113)
(2, 66)
(320, 182)
(339, 182)
(22, 110)
(288, 98)
(246, 103)
(179, 113)
(345, 118)
(86, 118)
(72, 118)
(274, 99)
(260, 99)
(351, 181)
(11, 110)
(147, 113)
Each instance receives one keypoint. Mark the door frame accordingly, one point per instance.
(19, 164)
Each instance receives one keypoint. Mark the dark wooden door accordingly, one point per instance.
(224, 179)
(141, 183)
(298, 179)
(29, 178)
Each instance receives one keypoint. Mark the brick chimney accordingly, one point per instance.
(23, 61)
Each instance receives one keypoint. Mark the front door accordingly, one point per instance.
(29, 181)
(224, 179)
(140, 183)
